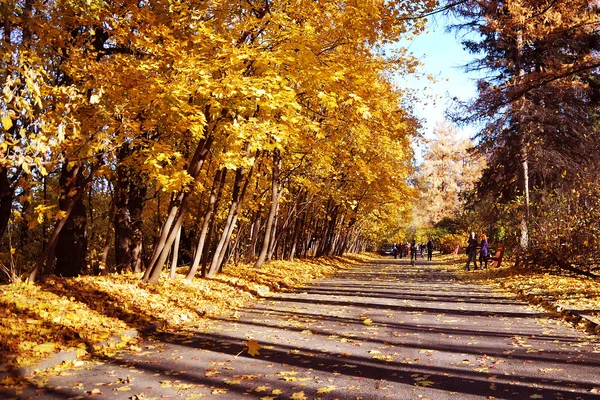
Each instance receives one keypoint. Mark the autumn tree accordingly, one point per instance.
(533, 100)
(223, 130)
(450, 168)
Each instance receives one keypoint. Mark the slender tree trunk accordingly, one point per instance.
(524, 240)
(254, 235)
(217, 187)
(182, 204)
(137, 201)
(210, 245)
(122, 220)
(109, 228)
(175, 254)
(236, 204)
(328, 232)
(164, 233)
(272, 210)
(6, 199)
(229, 223)
(298, 225)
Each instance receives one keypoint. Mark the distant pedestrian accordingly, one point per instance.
(471, 252)
(395, 251)
(483, 252)
(429, 250)
(413, 252)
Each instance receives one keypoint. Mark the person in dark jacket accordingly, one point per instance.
(471, 251)
(413, 252)
(483, 252)
(429, 250)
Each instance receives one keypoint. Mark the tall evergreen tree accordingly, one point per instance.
(535, 100)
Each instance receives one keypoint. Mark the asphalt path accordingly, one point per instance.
(384, 330)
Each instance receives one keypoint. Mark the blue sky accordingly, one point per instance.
(442, 56)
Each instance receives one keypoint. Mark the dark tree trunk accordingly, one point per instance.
(122, 223)
(298, 226)
(129, 198)
(137, 199)
(6, 199)
(71, 244)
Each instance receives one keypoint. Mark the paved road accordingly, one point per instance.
(380, 331)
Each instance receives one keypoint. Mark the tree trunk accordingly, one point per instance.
(236, 203)
(229, 223)
(137, 201)
(122, 222)
(328, 232)
(175, 254)
(164, 233)
(6, 199)
(254, 235)
(524, 240)
(269, 229)
(179, 208)
(217, 188)
(71, 245)
(104, 262)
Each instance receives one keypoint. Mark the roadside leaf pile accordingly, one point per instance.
(77, 313)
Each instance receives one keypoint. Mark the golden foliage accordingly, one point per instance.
(77, 313)
(557, 290)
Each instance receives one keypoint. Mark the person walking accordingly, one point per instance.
(483, 252)
(413, 252)
(429, 250)
(471, 252)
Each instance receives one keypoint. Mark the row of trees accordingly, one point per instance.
(135, 131)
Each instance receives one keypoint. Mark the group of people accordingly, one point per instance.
(472, 246)
(413, 249)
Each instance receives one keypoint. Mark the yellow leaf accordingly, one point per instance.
(298, 396)
(7, 123)
(367, 321)
(45, 348)
(276, 392)
(424, 383)
(123, 389)
(253, 347)
(326, 389)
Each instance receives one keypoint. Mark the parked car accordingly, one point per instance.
(387, 249)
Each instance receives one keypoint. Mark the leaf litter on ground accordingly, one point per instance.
(57, 314)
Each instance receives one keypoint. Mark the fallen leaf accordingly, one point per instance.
(326, 389)
(253, 347)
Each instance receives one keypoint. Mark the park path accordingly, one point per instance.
(383, 330)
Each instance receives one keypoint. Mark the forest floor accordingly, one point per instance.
(80, 314)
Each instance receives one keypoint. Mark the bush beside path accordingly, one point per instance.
(377, 329)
